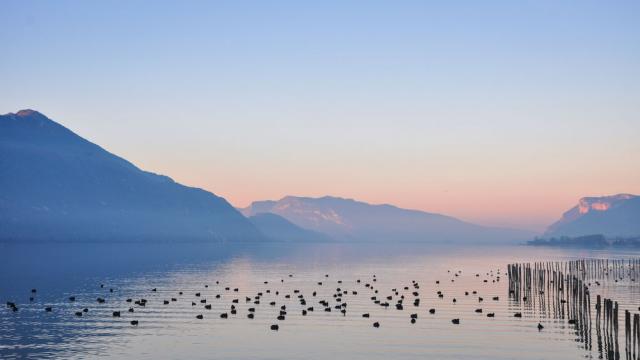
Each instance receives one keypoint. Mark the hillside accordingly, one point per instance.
(351, 220)
(57, 186)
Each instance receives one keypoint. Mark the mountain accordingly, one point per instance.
(351, 220)
(612, 216)
(278, 228)
(56, 185)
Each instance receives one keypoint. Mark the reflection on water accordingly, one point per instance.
(172, 330)
(563, 290)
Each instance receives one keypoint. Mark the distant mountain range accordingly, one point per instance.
(611, 216)
(277, 228)
(351, 220)
(56, 185)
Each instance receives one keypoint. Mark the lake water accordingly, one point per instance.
(173, 331)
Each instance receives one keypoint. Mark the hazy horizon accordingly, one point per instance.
(457, 180)
(495, 113)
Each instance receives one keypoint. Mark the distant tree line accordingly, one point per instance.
(588, 241)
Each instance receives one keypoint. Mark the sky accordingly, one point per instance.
(497, 112)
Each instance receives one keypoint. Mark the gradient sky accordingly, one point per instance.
(498, 112)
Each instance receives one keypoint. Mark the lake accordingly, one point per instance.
(130, 271)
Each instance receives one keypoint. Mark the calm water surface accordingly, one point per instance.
(173, 331)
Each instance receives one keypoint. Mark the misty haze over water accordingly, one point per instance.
(59, 271)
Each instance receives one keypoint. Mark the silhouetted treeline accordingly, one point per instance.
(588, 241)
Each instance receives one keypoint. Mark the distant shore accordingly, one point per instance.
(587, 241)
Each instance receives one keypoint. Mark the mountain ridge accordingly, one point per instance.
(353, 220)
(64, 187)
(611, 215)
(278, 228)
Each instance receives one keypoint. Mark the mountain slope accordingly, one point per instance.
(56, 185)
(616, 215)
(278, 228)
(346, 219)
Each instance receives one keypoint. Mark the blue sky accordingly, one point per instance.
(499, 112)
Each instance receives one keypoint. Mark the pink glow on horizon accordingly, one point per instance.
(527, 206)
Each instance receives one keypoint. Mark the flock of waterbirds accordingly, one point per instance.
(555, 289)
(395, 298)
